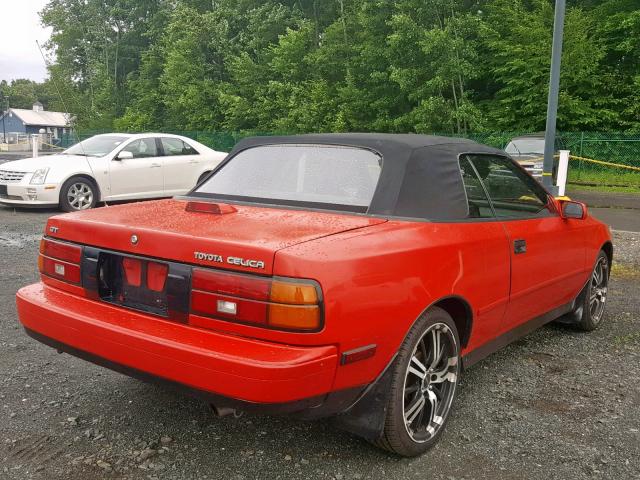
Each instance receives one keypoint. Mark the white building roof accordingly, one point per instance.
(45, 118)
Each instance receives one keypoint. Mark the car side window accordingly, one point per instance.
(175, 146)
(189, 150)
(143, 148)
(513, 193)
(479, 206)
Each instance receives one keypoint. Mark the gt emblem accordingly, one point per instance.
(53, 229)
(134, 239)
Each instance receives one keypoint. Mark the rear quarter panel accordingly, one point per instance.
(378, 280)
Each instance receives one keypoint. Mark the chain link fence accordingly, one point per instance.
(614, 148)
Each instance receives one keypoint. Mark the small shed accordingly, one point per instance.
(23, 121)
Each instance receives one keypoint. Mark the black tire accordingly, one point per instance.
(589, 312)
(78, 193)
(406, 432)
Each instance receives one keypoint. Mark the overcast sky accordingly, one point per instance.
(19, 29)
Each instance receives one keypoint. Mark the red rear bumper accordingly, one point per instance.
(233, 367)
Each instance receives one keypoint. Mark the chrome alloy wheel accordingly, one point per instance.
(598, 289)
(80, 196)
(430, 382)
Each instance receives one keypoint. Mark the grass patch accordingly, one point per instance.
(604, 188)
(628, 339)
(607, 180)
(622, 270)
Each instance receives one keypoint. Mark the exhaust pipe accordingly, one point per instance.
(224, 411)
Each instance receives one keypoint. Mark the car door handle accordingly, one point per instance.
(194, 161)
(520, 246)
(155, 165)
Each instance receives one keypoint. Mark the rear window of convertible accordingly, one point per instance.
(322, 175)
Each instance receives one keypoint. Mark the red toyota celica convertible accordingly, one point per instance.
(343, 275)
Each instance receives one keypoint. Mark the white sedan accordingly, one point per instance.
(109, 167)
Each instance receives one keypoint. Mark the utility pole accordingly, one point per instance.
(4, 114)
(552, 104)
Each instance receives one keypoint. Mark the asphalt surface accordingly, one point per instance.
(596, 199)
(557, 404)
(621, 211)
(624, 219)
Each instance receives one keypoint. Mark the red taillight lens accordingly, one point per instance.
(207, 207)
(282, 304)
(61, 270)
(62, 251)
(132, 271)
(60, 260)
(156, 276)
(236, 285)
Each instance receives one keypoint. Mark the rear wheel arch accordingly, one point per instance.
(461, 312)
(366, 417)
(607, 248)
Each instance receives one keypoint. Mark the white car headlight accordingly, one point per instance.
(39, 176)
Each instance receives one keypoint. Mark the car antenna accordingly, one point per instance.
(64, 104)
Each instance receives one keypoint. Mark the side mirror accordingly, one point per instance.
(570, 209)
(123, 155)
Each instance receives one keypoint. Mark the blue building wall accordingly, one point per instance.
(36, 128)
(13, 124)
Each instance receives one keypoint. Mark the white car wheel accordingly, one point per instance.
(77, 194)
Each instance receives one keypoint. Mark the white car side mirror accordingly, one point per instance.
(124, 155)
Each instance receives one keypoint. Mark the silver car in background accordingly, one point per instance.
(528, 151)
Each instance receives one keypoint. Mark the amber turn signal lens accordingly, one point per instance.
(293, 293)
(294, 317)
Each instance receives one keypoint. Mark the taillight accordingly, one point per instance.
(285, 304)
(232, 284)
(60, 260)
(132, 271)
(156, 276)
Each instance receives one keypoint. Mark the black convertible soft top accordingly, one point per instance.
(420, 175)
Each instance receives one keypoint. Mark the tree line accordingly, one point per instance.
(447, 66)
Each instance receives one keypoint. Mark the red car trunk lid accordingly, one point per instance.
(244, 240)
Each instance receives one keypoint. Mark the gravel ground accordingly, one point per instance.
(557, 404)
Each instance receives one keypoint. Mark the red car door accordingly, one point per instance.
(547, 252)
(547, 266)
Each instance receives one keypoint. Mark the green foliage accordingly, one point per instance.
(339, 65)
(22, 93)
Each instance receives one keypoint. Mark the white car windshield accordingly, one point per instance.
(524, 146)
(298, 174)
(97, 146)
